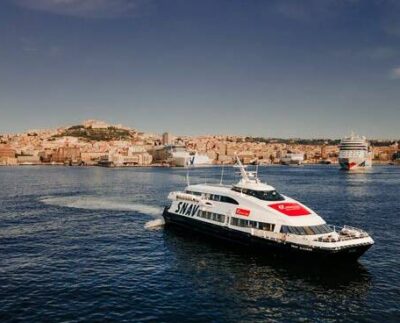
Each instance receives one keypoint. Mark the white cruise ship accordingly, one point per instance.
(253, 213)
(180, 157)
(292, 159)
(354, 153)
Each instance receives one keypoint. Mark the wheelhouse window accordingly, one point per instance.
(227, 199)
(261, 195)
(193, 193)
(214, 197)
(309, 230)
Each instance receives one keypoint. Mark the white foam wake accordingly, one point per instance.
(154, 224)
(97, 203)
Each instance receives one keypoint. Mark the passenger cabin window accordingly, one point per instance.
(211, 216)
(309, 230)
(261, 195)
(252, 224)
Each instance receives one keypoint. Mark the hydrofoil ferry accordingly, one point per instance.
(253, 213)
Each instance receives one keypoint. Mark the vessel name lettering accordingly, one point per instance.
(187, 209)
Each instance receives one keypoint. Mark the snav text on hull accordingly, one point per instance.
(253, 213)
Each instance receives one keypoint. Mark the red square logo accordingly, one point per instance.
(243, 212)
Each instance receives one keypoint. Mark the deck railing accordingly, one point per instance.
(317, 242)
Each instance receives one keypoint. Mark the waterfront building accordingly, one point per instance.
(8, 161)
(167, 139)
(67, 155)
(91, 158)
(7, 152)
(28, 160)
(7, 156)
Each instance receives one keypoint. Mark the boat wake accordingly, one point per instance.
(98, 203)
(155, 224)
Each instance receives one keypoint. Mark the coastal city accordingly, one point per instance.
(97, 143)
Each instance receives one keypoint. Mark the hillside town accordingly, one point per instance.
(97, 143)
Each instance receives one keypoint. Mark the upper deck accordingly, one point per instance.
(253, 200)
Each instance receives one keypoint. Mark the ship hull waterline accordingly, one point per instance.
(281, 249)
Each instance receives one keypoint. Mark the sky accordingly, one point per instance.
(277, 68)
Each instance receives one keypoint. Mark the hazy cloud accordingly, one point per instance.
(86, 8)
(28, 45)
(311, 9)
(373, 53)
(382, 53)
(35, 47)
(390, 17)
(392, 26)
(395, 73)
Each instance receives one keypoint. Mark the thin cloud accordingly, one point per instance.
(390, 17)
(382, 53)
(38, 48)
(373, 53)
(28, 45)
(392, 26)
(395, 73)
(86, 8)
(311, 10)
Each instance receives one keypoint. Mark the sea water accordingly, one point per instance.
(88, 244)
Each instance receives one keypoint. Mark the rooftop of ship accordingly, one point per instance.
(354, 139)
(250, 181)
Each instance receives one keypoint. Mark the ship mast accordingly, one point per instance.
(247, 176)
(243, 172)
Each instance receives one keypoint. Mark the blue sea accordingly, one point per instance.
(81, 244)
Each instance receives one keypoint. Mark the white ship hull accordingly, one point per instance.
(354, 153)
(354, 163)
(292, 159)
(190, 160)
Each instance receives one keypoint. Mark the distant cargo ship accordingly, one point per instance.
(292, 159)
(354, 153)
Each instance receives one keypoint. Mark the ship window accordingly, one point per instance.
(221, 198)
(284, 229)
(234, 221)
(227, 199)
(261, 195)
(266, 226)
(214, 197)
(212, 216)
(193, 193)
(296, 230)
(318, 230)
(323, 228)
(309, 230)
(252, 224)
